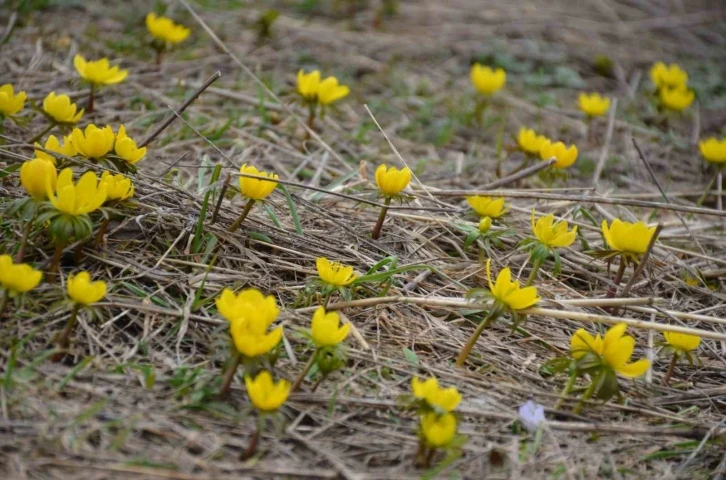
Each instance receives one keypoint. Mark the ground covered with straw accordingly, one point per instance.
(137, 392)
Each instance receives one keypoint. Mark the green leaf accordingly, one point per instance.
(291, 206)
(410, 356)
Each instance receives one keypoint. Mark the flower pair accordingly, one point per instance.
(671, 83)
(533, 145)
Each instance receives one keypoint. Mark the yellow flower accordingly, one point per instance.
(593, 105)
(253, 188)
(438, 430)
(508, 292)
(118, 187)
(164, 29)
(334, 273)
(485, 224)
(126, 148)
(487, 206)
(250, 336)
(329, 91)
(326, 329)
(553, 235)
(10, 103)
(249, 302)
(677, 99)
(82, 198)
(668, 76)
(529, 142)
(391, 180)
(564, 156)
(82, 290)
(99, 72)
(627, 237)
(445, 399)
(94, 142)
(486, 80)
(682, 341)
(53, 145)
(61, 109)
(615, 350)
(18, 278)
(35, 174)
(307, 85)
(266, 395)
(713, 150)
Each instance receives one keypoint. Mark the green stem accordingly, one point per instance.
(91, 98)
(4, 297)
(63, 340)
(618, 278)
(533, 274)
(229, 375)
(671, 367)
(219, 200)
(311, 120)
(301, 377)
(566, 391)
(328, 294)
(481, 106)
(238, 222)
(381, 217)
(588, 394)
(47, 129)
(26, 234)
(464, 354)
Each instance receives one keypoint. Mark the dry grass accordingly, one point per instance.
(137, 396)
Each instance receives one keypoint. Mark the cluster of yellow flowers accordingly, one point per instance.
(533, 145)
(671, 83)
(438, 423)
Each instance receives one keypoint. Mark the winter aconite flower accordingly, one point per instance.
(98, 72)
(627, 238)
(442, 399)
(334, 273)
(391, 180)
(11, 103)
(61, 109)
(487, 206)
(564, 156)
(266, 395)
(530, 142)
(94, 142)
(613, 351)
(487, 80)
(35, 175)
(17, 278)
(76, 199)
(438, 430)
(676, 99)
(593, 104)
(682, 342)
(125, 147)
(315, 91)
(307, 85)
(233, 306)
(165, 30)
(551, 234)
(713, 150)
(254, 188)
(326, 330)
(485, 224)
(83, 291)
(668, 76)
(54, 145)
(118, 187)
(508, 293)
(330, 91)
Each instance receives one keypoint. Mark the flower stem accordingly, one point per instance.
(533, 274)
(719, 190)
(238, 222)
(91, 98)
(381, 217)
(63, 339)
(159, 57)
(252, 446)
(464, 354)
(618, 278)
(671, 367)
(24, 240)
(47, 129)
(420, 453)
(229, 375)
(219, 200)
(301, 377)
(318, 382)
(328, 294)
(566, 391)
(55, 262)
(588, 394)
(4, 297)
(311, 120)
(101, 232)
(429, 457)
